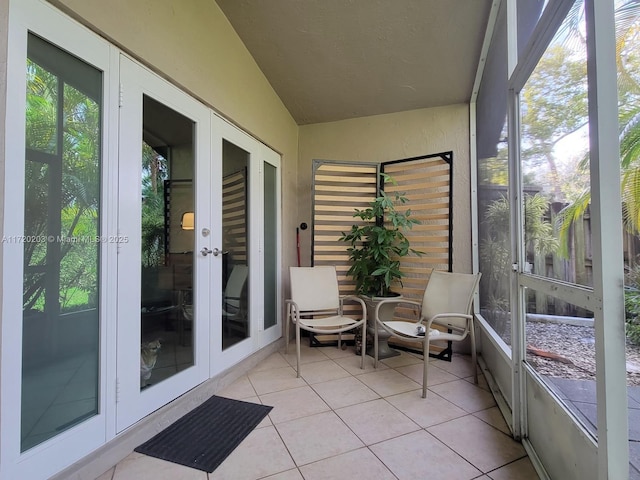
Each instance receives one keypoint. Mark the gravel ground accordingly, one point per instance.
(567, 351)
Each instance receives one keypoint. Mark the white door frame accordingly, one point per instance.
(132, 403)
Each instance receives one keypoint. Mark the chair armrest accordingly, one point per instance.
(414, 303)
(351, 297)
(292, 307)
(354, 298)
(457, 315)
(437, 317)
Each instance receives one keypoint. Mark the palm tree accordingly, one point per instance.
(628, 66)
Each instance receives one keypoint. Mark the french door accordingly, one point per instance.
(164, 244)
(248, 206)
(198, 263)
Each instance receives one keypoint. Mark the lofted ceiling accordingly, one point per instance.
(336, 59)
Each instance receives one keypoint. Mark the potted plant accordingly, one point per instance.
(376, 247)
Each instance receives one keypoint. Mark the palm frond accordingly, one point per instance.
(630, 188)
(567, 216)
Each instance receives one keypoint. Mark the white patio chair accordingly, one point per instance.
(446, 302)
(316, 306)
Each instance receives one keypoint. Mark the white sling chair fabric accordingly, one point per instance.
(316, 306)
(447, 302)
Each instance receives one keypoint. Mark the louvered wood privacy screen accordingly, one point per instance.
(339, 188)
(234, 216)
(426, 182)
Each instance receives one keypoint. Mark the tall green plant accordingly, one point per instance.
(377, 244)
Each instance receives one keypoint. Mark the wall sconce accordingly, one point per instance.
(188, 221)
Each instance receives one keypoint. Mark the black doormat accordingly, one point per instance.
(204, 437)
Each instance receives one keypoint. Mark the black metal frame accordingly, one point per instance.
(447, 157)
(447, 353)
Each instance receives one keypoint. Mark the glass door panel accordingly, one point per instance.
(164, 176)
(235, 233)
(61, 243)
(554, 160)
(270, 197)
(167, 230)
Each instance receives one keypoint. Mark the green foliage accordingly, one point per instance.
(538, 232)
(154, 173)
(377, 244)
(632, 315)
(152, 240)
(62, 196)
(494, 170)
(632, 304)
(495, 247)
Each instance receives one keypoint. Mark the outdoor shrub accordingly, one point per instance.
(632, 314)
(633, 331)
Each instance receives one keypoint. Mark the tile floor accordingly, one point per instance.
(338, 421)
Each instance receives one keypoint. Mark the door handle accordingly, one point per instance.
(216, 251)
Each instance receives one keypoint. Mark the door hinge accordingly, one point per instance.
(117, 390)
(121, 96)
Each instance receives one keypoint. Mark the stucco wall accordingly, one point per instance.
(192, 44)
(392, 137)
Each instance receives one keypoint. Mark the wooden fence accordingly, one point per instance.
(575, 267)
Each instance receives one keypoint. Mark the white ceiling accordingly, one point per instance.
(336, 59)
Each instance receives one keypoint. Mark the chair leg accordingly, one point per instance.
(286, 330)
(297, 350)
(364, 345)
(473, 354)
(425, 368)
(375, 344)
